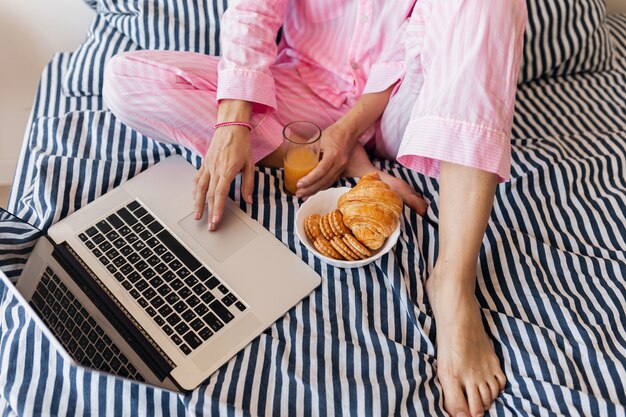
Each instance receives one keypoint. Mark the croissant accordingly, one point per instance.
(370, 210)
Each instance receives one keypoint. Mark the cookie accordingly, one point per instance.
(312, 227)
(325, 248)
(357, 247)
(336, 223)
(325, 227)
(343, 249)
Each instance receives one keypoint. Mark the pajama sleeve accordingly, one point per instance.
(469, 52)
(389, 68)
(248, 41)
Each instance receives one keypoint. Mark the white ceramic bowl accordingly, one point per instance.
(322, 203)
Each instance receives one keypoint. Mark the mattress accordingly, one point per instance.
(551, 277)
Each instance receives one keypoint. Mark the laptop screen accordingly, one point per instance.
(17, 240)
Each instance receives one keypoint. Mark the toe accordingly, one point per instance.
(501, 378)
(494, 388)
(474, 401)
(417, 204)
(485, 395)
(453, 399)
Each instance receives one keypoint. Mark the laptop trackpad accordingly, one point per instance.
(231, 234)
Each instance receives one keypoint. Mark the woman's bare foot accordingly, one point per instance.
(467, 367)
(360, 165)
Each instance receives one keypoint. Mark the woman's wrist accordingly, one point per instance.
(234, 111)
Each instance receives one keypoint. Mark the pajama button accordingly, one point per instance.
(363, 19)
(355, 65)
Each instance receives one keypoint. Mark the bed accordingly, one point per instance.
(551, 276)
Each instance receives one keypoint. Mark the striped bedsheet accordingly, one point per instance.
(551, 277)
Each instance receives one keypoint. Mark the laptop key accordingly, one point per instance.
(227, 301)
(91, 232)
(145, 235)
(139, 245)
(201, 309)
(120, 244)
(165, 311)
(232, 297)
(157, 302)
(143, 303)
(112, 254)
(180, 307)
(168, 330)
(97, 239)
(241, 306)
(112, 235)
(141, 265)
(199, 289)
(159, 320)
(83, 237)
(190, 280)
(149, 293)
(145, 253)
(147, 219)
(223, 289)
(205, 333)
(164, 290)
(127, 285)
(103, 226)
(90, 245)
(133, 258)
(120, 262)
(134, 276)
(133, 205)
(184, 292)
(207, 298)
(115, 221)
(172, 298)
(141, 285)
(140, 211)
(197, 324)
(167, 256)
(188, 315)
(124, 230)
(148, 273)
(153, 260)
(127, 216)
(203, 274)
(176, 339)
(179, 250)
(138, 228)
(192, 340)
(161, 268)
(173, 319)
(177, 284)
(193, 301)
(132, 238)
(105, 246)
(151, 311)
(213, 322)
(175, 264)
(186, 350)
(212, 283)
(155, 227)
(159, 249)
(104, 260)
(181, 328)
(135, 294)
(221, 311)
(111, 268)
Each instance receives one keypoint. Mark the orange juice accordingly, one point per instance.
(298, 163)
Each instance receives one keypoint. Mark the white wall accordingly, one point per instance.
(31, 31)
(616, 6)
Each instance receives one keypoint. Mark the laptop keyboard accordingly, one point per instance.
(77, 331)
(181, 295)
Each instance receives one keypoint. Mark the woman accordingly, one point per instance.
(428, 83)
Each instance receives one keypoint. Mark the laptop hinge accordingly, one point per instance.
(154, 357)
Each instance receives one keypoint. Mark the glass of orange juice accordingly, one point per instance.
(302, 151)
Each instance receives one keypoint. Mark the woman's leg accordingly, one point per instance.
(451, 118)
(467, 367)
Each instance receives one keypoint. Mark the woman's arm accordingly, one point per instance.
(245, 84)
(339, 139)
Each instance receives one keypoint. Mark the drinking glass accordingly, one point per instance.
(302, 151)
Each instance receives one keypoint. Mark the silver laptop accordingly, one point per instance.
(132, 284)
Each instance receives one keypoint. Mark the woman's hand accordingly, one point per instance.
(229, 154)
(336, 147)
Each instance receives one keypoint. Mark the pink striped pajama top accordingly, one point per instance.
(457, 62)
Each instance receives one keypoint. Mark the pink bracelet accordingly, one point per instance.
(248, 125)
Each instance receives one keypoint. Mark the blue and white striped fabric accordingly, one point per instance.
(565, 37)
(551, 280)
(147, 24)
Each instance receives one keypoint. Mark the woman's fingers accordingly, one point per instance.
(210, 199)
(247, 181)
(318, 172)
(200, 191)
(219, 199)
(329, 178)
